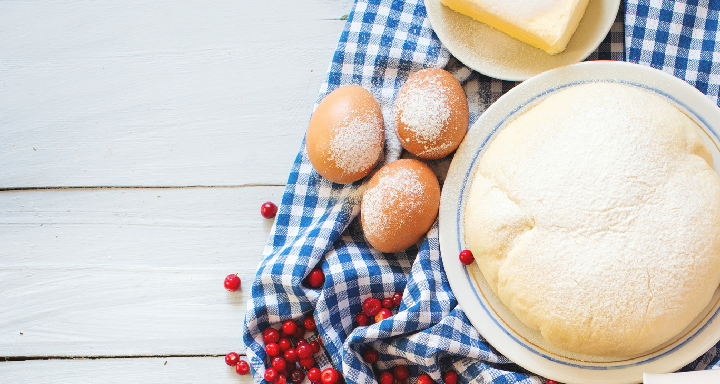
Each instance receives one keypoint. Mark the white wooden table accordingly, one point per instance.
(138, 140)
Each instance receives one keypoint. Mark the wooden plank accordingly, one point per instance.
(96, 272)
(174, 370)
(173, 93)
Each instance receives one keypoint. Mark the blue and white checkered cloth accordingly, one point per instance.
(383, 42)
(678, 37)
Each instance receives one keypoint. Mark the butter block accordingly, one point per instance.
(545, 24)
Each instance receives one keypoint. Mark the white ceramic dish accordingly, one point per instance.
(491, 318)
(498, 55)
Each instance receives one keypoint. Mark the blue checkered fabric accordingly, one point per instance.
(679, 37)
(317, 225)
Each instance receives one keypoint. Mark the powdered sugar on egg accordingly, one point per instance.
(431, 114)
(400, 189)
(424, 109)
(357, 145)
(399, 205)
(345, 135)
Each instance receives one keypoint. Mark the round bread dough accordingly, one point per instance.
(595, 217)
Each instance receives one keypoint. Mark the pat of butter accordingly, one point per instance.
(545, 24)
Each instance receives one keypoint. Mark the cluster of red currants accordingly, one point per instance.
(241, 366)
(377, 310)
(289, 353)
(401, 373)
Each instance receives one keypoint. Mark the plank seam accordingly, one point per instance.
(10, 189)
(97, 357)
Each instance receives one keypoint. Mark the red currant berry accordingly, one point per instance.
(284, 344)
(297, 376)
(382, 315)
(300, 341)
(371, 356)
(304, 351)
(299, 333)
(232, 358)
(289, 327)
(309, 323)
(330, 376)
(279, 363)
(316, 278)
(551, 382)
(386, 378)
(272, 349)
(387, 303)
(371, 306)
(271, 335)
(424, 379)
(307, 362)
(362, 319)
(450, 377)
(242, 367)
(271, 375)
(232, 283)
(268, 210)
(314, 375)
(401, 372)
(397, 298)
(291, 356)
(281, 379)
(315, 346)
(466, 257)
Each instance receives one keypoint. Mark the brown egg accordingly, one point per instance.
(400, 205)
(346, 134)
(431, 113)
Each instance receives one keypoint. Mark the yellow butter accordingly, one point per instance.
(545, 24)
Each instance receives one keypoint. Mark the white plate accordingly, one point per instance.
(498, 55)
(491, 318)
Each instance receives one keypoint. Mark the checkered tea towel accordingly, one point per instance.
(383, 42)
(678, 37)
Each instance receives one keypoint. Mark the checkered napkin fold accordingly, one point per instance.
(383, 42)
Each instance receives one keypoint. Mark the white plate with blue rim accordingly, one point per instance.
(489, 316)
(498, 55)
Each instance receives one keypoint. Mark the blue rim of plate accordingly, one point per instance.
(678, 341)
